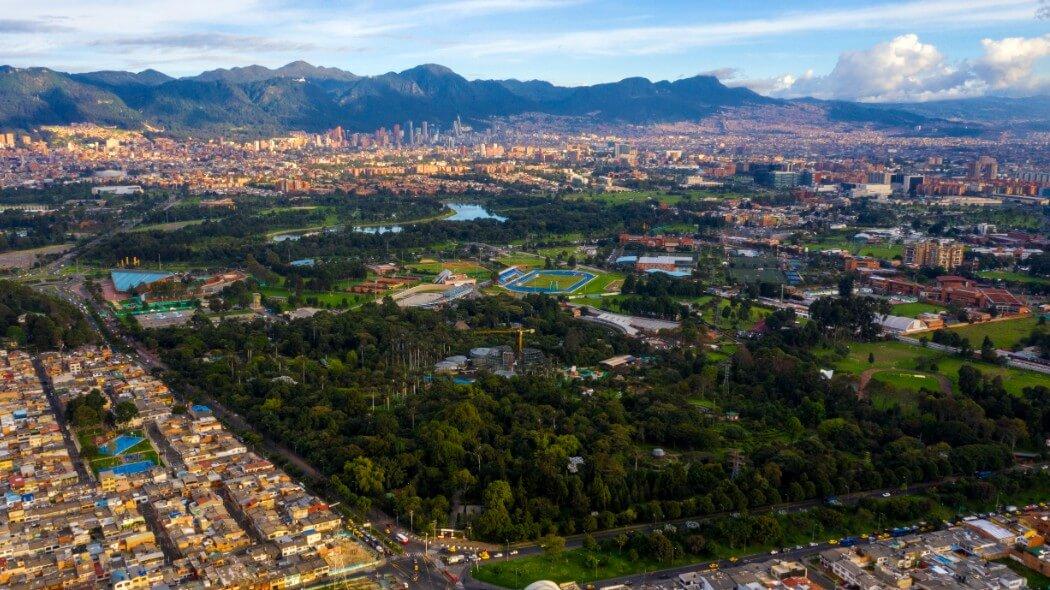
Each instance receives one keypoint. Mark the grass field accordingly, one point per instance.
(895, 398)
(910, 380)
(893, 355)
(883, 251)
(675, 228)
(619, 198)
(1004, 334)
(142, 450)
(1036, 580)
(606, 282)
(283, 209)
(565, 251)
(466, 267)
(556, 282)
(171, 226)
(330, 299)
(27, 258)
(714, 316)
(1013, 277)
(910, 310)
(572, 565)
(522, 260)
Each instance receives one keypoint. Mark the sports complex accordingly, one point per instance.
(544, 280)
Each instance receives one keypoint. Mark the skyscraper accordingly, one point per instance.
(984, 168)
(411, 132)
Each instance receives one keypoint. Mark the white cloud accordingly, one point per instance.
(88, 34)
(1008, 63)
(905, 69)
(723, 74)
(659, 40)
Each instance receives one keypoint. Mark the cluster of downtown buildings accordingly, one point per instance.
(205, 512)
(421, 159)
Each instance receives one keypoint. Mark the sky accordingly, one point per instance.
(873, 50)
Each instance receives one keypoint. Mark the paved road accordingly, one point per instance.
(667, 576)
(60, 416)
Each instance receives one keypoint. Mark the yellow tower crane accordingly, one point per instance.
(519, 331)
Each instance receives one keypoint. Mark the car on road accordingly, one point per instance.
(773, 552)
(886, 494)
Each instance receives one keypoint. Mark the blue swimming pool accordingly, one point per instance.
(120, 444)
(130, 468)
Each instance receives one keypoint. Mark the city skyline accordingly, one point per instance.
(891, 51)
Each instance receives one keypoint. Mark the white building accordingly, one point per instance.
(895, 324)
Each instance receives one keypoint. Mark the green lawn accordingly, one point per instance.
(571, 566)
(1013, 277)
(522, 260)
(1036, 580)
(1004, 334)
(911, 310)
(714, 316)
(172, 226)
(333, 299)
(142, 450)
(910, 380)
(565, 251)
(619, 198)
(560, 282)
(467, 267)
(675, 228)
(892, 398)
(283, 209)
(605, 282)
(883, 251)
(891, 355)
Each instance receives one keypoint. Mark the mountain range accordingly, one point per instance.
(259, 100)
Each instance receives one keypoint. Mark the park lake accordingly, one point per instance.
(460, 212)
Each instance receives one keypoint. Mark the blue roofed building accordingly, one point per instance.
(126, 280)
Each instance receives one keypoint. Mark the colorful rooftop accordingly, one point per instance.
(126, 280)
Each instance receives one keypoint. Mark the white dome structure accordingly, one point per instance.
(543, 585)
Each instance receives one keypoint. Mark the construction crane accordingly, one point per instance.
(519, 331)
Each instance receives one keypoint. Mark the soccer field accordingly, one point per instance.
(553, 282)
(1004, 333)
(550, 281)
